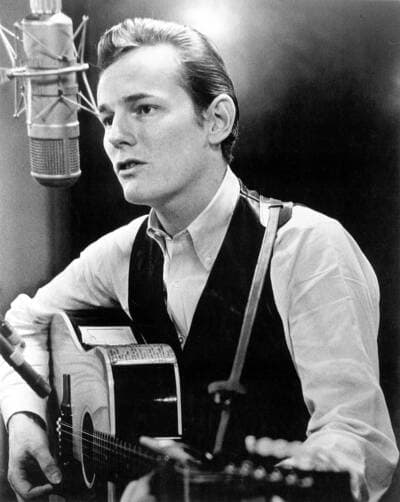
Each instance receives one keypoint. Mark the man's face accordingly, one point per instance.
(157, 146)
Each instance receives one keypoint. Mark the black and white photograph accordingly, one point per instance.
(199, 250)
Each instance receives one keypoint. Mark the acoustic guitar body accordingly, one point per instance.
(108, 394)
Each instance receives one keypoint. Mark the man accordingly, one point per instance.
(183, 274)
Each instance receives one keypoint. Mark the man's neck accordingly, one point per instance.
(179, 213)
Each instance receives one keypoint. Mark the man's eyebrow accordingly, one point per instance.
(130, 99)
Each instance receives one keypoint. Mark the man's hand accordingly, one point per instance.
(306, 457)
(321, 459)
(32, 471)
(138, 491)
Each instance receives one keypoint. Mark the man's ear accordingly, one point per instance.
(220, 117)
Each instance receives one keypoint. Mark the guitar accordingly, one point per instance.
(108, 394)
(257, 477)
(108, 390)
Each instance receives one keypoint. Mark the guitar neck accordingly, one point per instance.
(119, 459)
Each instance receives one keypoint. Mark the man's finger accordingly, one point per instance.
(24, 490)
(39, 491)
(48, 465)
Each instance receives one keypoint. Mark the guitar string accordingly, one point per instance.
(117, 453)
(100, 459)
(222, 476)
(144, 458)
(109, 444)
(101, 439)
(112, 441)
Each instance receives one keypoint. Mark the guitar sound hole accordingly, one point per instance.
(88, 453)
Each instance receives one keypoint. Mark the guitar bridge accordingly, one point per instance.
(64, 423)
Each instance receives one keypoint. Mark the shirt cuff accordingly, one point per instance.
(29, 402)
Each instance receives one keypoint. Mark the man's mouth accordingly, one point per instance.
(126, 166)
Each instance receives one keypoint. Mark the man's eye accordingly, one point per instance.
(106, 121)
(144, 109)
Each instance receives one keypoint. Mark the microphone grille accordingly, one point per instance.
(55, 162)
(45, 6)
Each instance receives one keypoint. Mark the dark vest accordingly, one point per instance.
(273, 405)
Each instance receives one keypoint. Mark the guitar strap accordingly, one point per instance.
(271, 218)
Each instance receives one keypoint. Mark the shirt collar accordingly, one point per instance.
(208, 229)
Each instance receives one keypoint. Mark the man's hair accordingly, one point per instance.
(203, 74)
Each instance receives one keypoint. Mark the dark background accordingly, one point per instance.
(318, 86)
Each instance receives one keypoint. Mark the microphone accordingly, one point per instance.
(10, 348)
(50, 91)
(52, 121)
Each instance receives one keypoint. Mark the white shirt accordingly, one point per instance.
(190, 254)
(326, 294)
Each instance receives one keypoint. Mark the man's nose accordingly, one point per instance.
(121, 132)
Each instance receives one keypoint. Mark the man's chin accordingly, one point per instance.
(134, 197)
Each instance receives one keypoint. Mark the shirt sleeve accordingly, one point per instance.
(328, 299)
(98, 278)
